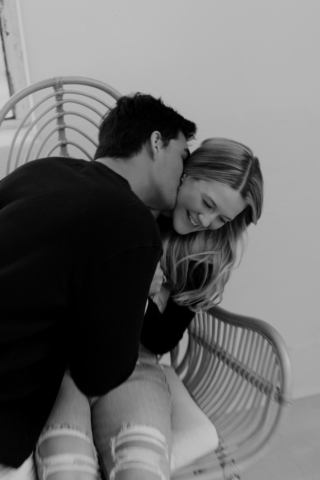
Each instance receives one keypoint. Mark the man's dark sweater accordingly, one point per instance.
(78, 251)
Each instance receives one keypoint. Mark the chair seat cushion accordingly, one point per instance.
(193, 435)
(25, 472)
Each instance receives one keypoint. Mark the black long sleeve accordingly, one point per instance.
(161, 332)
(110, 311)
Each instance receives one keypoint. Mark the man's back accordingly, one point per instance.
(67, 228)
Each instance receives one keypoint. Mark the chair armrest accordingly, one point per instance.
(238, 370)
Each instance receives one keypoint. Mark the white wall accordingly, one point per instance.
(242, 69)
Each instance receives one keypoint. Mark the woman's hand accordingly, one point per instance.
(159, 289)
(161, 298)
(157, 281)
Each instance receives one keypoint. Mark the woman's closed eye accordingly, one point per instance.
(207, 204)
(222, 220)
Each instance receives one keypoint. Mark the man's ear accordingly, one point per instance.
(156, 142)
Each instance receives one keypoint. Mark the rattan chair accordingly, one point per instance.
(236, 368)
(238, 371)
(63, 118)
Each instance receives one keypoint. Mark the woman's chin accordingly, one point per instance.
(181, 227)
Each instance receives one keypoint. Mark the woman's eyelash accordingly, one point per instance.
(207, 204)
(212, 206)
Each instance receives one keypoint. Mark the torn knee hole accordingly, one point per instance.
(140, 447)
(63, 449)
(61, 439)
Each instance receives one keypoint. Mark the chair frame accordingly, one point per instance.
(236, 368)
(29, 123)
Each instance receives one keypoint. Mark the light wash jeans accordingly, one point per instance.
(131, 428)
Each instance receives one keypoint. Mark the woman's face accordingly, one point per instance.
(205, 205)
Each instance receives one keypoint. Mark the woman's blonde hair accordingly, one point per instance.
(199, 264)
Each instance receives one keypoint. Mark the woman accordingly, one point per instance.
(221, 193)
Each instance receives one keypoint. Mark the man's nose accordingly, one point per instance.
(206, 219)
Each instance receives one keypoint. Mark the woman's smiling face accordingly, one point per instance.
(205, 205)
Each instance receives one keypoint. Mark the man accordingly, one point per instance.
(78, 250)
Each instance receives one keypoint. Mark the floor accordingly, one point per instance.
(295, 455)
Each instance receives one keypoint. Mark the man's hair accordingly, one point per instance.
(129, 125)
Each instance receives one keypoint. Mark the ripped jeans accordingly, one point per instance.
(130, 427)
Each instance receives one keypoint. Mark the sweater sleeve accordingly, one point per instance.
(109, 315)
(161, 332)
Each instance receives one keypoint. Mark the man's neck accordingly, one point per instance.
(136, 171)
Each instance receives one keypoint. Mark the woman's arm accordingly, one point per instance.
(161, 332)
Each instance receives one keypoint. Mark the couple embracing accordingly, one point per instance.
(102, 266)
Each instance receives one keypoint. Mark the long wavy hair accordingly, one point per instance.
(199, 264)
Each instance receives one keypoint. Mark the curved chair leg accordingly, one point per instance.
(229, 468)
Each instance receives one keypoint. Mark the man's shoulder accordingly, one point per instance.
(129, 214)
(93, 197)
(59, 172)
(43, 167)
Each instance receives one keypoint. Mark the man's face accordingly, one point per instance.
(169, 168)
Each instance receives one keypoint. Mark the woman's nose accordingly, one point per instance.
(206, 219)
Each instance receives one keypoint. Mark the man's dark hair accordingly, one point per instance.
(129, 125)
